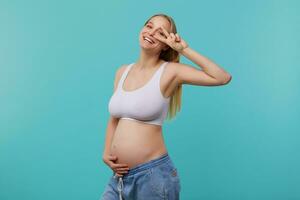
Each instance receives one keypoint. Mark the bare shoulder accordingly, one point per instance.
(120, 70)
(118, 74)
(174, 67)
(171, 68)
(171, 71)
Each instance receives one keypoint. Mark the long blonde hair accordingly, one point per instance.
(171, 55)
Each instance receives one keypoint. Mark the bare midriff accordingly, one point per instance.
(136, 142)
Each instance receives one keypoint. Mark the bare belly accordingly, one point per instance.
(135, 142)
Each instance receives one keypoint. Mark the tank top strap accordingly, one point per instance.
(159, 72)
(124, 75)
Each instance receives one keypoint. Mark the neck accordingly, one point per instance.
(148, 60)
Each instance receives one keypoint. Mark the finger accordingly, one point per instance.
(177, 37)
(160, 38)
(172, 36)
(165, 31)
(112, 157)
(123, 168)
(119, 165)
(122, 171)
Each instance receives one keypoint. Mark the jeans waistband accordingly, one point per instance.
(141, 167)
(147, 165)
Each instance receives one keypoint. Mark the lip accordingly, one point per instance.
(149, 38)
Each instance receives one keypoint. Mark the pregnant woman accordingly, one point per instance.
(145, 93)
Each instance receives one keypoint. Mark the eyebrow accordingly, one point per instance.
(152, 23)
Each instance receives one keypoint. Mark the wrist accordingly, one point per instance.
(184, 50)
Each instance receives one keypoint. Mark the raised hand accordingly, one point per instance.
(171, 39)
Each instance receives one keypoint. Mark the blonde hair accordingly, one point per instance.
(171, 55)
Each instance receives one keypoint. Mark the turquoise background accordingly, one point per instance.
(234, 142)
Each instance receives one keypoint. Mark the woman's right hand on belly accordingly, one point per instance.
(118, 168)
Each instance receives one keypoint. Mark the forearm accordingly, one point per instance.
(110, 130)
(206, 64)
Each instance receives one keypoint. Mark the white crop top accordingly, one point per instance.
(145, 104)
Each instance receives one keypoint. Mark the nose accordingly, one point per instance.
(151, 33)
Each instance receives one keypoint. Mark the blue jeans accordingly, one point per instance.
(156, 179)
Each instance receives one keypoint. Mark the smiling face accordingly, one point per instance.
(151, 28)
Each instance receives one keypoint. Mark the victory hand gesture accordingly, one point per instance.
(173, 40)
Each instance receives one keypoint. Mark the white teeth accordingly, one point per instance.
(147, 39)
